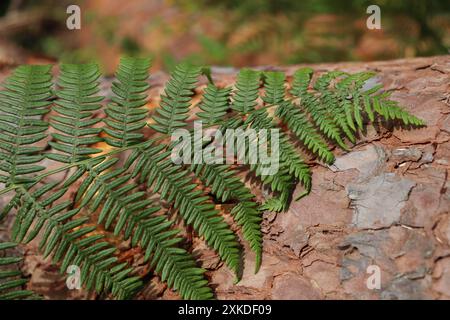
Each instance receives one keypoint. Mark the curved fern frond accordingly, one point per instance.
(390, 110)
(126, 115)
(244, 102)
(273, 204)
(246, 93)
(298, 123)
(366, 100)
(290, 159)
(221, 178)
(315, 109)
(350, 88)
(155, 168)
(23, 100)
(77, 100)
(132, 214)
(356, 102)
(178, 268)
(70, 241)
(11, 279)
(214, 105)
(176, 100)
(337, 104)
(274, 87)
(294, 162)
(226, 186)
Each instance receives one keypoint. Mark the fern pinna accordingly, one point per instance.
(131, 190)
(11, 279)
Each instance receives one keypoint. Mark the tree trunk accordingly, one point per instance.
(376, 224)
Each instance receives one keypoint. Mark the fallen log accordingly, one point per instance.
(376, 224)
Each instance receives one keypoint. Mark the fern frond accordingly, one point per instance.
(175, 101)
(23, 100)
(155, 168)
(70, 241)
(354, 102)
(350, 88)
(226, 186)
(275, 204)
(214, 105)
(290, 159)
(178, 268)
(246, 93)
(390, 110)
(11, 280)
(298, 123)
(338, 104)
(274, 87)
(244, 102)
(222, 179)
(312, 105)
(77, 100)
(126, 115)
(301, 81)
(281, 181)
(132, 214)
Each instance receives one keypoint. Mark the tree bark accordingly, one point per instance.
(383, 209)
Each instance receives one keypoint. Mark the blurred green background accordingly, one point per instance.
(222, 32)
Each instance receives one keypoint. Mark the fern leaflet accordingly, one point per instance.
(11, 280)
(127, 114)
(77, 100)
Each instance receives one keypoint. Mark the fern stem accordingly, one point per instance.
(10, 188)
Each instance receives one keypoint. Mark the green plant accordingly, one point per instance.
(117, 198)
(12, 279)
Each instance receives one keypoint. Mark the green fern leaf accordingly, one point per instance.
(126, 115)
(214, 105)
(11, 280)
(226, 186)
(315, 109)
(274, 87)
(275, 95)
(244, 103)
(132, 214)
(154, 166)
(330, 100)
(25, 96)
(77, 100)
(298, 123)
(339, 107)
(175, 101)
(246, 93)
(68, 240)
(290, 159)
(390, 110)
(221, 178)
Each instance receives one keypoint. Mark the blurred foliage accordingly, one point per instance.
(328, 6)
(236, 32)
